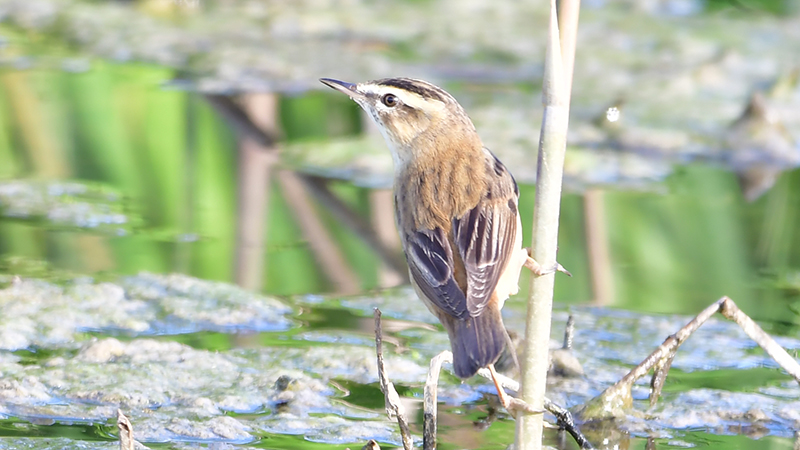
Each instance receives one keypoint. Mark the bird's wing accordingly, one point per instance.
(430, 259)
(484, 238)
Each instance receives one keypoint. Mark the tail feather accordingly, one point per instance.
(476, 342)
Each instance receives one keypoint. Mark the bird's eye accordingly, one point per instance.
(389, 100)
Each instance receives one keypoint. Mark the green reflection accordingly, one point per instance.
(174, 161)
(725, 379)
(78, 432)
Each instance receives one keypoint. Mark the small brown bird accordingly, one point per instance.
(456, 212)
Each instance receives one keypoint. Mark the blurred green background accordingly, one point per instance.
(172, 160)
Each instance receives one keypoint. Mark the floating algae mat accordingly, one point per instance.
(74, 352)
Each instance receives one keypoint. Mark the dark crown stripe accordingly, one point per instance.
(423, 89)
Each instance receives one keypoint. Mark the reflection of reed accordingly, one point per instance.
(597, 247)
(384, 243)
(256, 124)
(94, 252)
(327, 253)
(46, 157)
(380, 201)
(382, 208)
(777, 229)
(256, 160)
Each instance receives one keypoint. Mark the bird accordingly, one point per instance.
(456, 210)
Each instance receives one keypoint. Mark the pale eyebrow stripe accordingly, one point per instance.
(409, 85)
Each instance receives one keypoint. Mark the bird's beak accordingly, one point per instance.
(344, 87)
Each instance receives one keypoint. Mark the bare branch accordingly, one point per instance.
(567, 423)
(621, 391)
(394, 408)
(126, 441)
(430, 402)
(729, 309)
(619, 395)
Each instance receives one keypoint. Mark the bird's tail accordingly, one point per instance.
(477, 342)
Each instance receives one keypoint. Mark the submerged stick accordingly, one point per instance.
(567, 423)
(394, 408)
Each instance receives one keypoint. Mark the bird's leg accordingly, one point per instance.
(513, 352)
(511, 404)
(505, 399)
(537, 268)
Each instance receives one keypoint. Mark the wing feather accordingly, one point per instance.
(482, 239)
(430, 259)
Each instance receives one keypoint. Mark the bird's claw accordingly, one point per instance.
(538, 270)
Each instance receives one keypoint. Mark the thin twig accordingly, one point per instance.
(567, 423)
(430, 399)
(394, 408)
(569, 333)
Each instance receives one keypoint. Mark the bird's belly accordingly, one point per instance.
(508, 284)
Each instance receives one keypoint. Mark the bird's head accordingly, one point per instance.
(414, 116)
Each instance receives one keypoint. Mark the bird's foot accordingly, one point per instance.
(505, 399)
(511, 404)
(538, 270)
